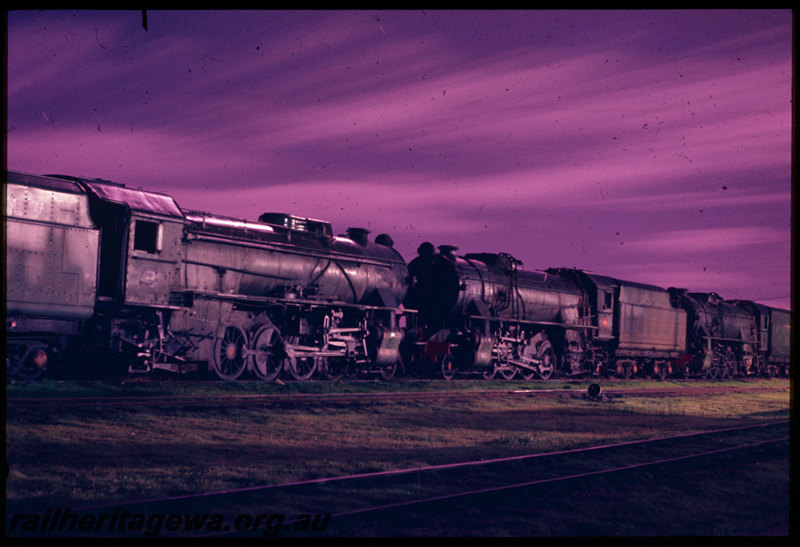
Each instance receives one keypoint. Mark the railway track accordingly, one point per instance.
(377, 397)
(516, 489)
(583, 474)
(495, 501)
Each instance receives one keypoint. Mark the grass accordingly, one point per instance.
(75, 456)
(142, 386)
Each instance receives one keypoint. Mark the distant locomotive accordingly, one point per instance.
(731, 338)
(120, 274)
(482, 312)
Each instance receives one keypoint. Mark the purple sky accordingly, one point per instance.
(653, 146)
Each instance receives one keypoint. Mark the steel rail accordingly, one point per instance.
(537, 482)
(440, 467)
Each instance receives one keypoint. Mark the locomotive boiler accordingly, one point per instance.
(483, 313)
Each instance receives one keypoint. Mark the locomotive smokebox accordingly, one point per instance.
(434, 283)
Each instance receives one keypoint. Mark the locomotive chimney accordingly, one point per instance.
(359, 235)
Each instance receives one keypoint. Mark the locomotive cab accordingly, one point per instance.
(140, 244)
(138, 273)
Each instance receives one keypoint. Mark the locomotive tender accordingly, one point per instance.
(94, 266)
(52, 250)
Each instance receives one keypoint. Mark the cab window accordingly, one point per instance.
(146, 236)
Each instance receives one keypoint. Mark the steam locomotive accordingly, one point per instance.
(482, 312)
(113, 274)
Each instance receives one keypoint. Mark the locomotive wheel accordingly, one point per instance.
(268, 354)
(448, 370)
(388, 371)
(229, 353)
(333, 368)
(548, 358)
(502, 351)
(301, 368)
(527, 374)
(527, 355)
(626, 369)
(489, 373)
(30, 366)
(353, 370)
(661, 369)
(730, 363)
(508, 373)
